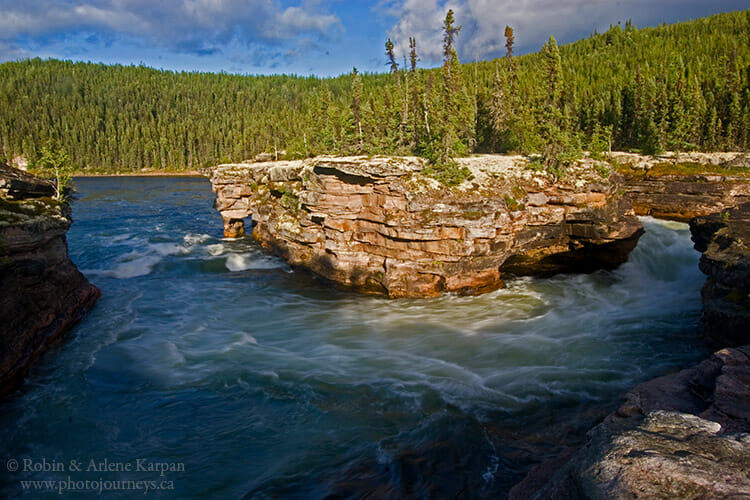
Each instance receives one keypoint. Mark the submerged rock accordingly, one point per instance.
(377, 224)
(684, 435)
(43, 293)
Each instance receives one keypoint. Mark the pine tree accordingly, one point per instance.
(413, 57)
(55, 161)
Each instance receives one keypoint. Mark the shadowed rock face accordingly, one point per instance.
(724, 240)
(43, 293)
(378, 225)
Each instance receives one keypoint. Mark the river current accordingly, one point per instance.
(252, 380)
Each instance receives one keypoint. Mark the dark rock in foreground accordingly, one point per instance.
(679, 436)
(724, 239)
(377, 224)
(685, 435)
(43, 293)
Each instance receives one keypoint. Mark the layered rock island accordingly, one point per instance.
(44, 294)
(378, 224)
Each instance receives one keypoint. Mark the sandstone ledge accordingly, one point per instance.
(378, 225)
(44, 294)
(681, 186)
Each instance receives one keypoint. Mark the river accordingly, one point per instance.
(250, 379)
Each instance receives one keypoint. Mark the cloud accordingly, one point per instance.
(197, 27)
(483, 21)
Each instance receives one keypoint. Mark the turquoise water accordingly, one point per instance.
(252, 380)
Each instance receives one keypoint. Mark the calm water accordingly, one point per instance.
(262, 382)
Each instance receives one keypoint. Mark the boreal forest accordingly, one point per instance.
(676, 87)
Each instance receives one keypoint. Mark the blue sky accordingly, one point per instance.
(307, 36)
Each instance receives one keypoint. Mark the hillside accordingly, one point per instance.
(684, 86)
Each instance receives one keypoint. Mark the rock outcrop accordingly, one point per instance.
(377, 224)
(685, 435)
(686, 185)
(43, 293)
(724, 240)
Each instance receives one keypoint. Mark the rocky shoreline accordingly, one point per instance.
(44, 294)
(683, 435)
(724, 240)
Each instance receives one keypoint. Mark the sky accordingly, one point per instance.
(308, 37)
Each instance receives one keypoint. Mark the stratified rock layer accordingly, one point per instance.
(378, 225)
(724, 240)
(686, 185)
(43, 293)
(679, 436)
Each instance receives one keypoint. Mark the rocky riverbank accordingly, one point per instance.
(684, 435)
(380, 225)
(724, 240)
(44, 294)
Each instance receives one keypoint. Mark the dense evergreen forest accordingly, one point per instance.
(678, 87)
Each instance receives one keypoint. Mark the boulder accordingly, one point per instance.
(683, 435)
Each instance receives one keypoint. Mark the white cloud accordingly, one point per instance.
(483, 21)
(190, 26)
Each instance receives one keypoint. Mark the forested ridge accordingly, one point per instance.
(678, 87)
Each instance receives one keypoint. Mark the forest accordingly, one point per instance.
(675, 87)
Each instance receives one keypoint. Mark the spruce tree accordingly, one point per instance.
(391, 56)
(357, 105)
(413, 57)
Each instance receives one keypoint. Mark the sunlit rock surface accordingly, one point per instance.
(680, 186)
(43, 293)
(377, 224)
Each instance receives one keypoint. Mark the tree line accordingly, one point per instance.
(679, 87)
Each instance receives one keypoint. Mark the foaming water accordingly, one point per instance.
(266, 383)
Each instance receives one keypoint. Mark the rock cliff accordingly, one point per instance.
(43, 293)
(379, 225)
(724, 240)
(685, 185)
